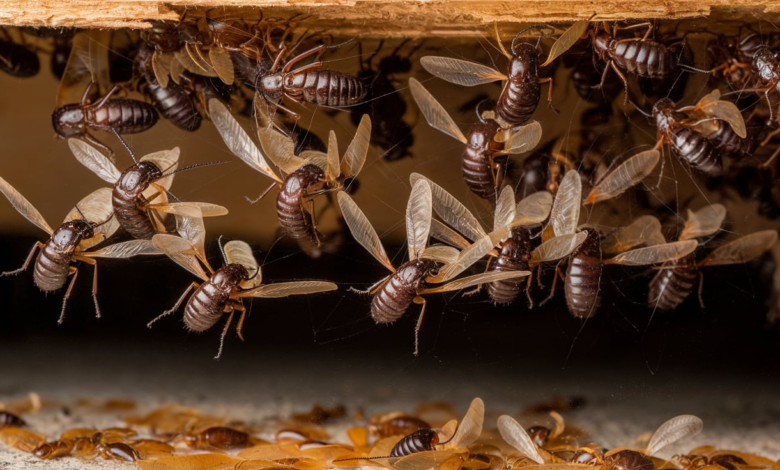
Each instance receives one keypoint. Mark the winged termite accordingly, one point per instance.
(88, 225)
(521, 93)
(512, 232)
(393, 295)
(138, 186)
(516, 436)
(487, 144)
(673, 430)
(222, 291)
(689, 136)
(676, 279)
(305, 177)
(584, 249)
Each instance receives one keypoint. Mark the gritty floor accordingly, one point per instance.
(739, 411)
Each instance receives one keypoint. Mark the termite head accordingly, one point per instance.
(137, 178)
(70, 234)
(272, 87)
(68, 121)
(230, 276)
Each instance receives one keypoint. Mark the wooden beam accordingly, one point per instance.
(363, 18)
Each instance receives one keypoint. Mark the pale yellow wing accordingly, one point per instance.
(522, 140)
(654, 254)
(704, 222)
(742, 249)
(93, 159)
(644, 230)
(285, 289)
(556, 248)
(475, 280)
(88, 62)
(627, 174)
(565, 213)
(355, 156)
(444, 233)
(237, 140)
(566, 40)
(516, 436)
(223, 64)
(533, 209)
(419, 211)
(460, 72)
(451, 210)
(182, 252)
(279, 148)
(505, 209)
(167, 161)
(362, 230)
(97, 208)
(434, 112)
(24, 207)
(441, 254)
(191, 209)
(679, 427)
(126, 249)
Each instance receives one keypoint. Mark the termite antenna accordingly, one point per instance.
(192, 167)
(222, 250)
(479, 114)
(636, 106)
(540, 27)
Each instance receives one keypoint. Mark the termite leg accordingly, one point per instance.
(192, 286)
(418, 300)
(38, 245)
(72, 270)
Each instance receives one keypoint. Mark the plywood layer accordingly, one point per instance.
(369, 17)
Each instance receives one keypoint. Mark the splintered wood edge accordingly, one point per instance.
(367, 18)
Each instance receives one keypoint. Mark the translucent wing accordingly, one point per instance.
(677, 428)
(190, 58)
(441, 253)
(419, 211)
(742, 249)
(566, 40)
(442, 232)
(427, 460)
(654, 254)
(127, 250)
(556, 248)
(356, 154)
(182, 251)
(470, 428)
(728, 112)
(284, 289)
(24, 207)
(505, 209)
(643, 230)
(533, 209)
(475, 280)
(522, 140)
(88, 62)
(565, 213)
(237, 140)
(517, 437)
(451, 210)
(223, 64)
(704, 222)
(191, 209)
(468, 256)
(279, 148)
(434, 113)
(460, 72)
(167, 161)
(239, 252)
(362, 230)
(627, 174)
(93, 159)
(97, 208)
(332, 169)
(161, 66)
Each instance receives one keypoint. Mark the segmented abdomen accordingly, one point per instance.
(123, 115)
(51, 268)
(673, 283)
(696, 150)
(324, 87)
(175, 104)
(294, 219)
(514, 256)
(392, 300)
(644, 58)
(583, 277)
(518, 101)
(418, 441)
(205, 307)
(133, 219)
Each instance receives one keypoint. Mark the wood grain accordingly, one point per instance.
(363, 18)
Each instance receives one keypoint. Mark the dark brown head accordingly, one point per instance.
(137, 178)
(630, 460)
(302, 178)
(69, 235)
(539, 434)
(764, 63)
(525, 62)
(68, 120)
(230, 276)
(663, 112)
(601, 42)
(480, 136)
(163, 35)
